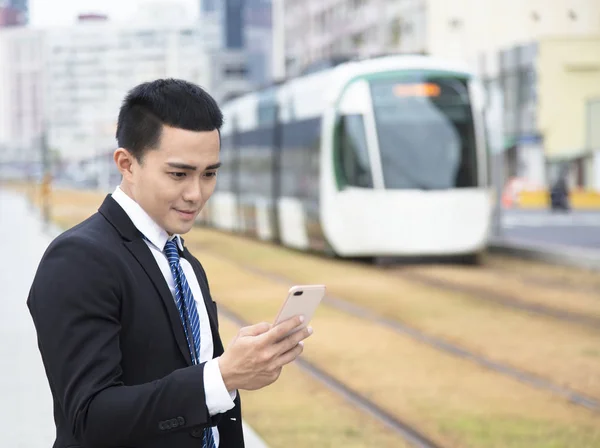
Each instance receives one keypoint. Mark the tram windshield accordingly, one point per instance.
(425, 130)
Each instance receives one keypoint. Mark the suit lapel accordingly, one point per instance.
(141, 252)
(210, 306)
(133, 241)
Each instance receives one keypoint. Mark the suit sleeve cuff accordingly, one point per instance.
(218, 398)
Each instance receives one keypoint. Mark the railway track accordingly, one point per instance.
(408, 432)
(585, 284)
(437, 343)
(502, 298)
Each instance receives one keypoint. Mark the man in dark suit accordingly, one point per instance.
(126, 326)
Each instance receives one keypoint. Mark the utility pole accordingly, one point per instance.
(3, 162)
(276, 171)
(278, 40)
(235, 176)
(495, 126)
(46, 177)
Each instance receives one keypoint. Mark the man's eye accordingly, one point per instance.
(177, 175)
(210, 174)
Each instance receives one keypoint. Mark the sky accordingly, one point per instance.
(44, 13)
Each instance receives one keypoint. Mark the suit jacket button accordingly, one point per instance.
(198, 432)
(161, 426)
(174, 423)
(181, 421)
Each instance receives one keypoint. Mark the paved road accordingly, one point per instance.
(26, 419)
(577, 229)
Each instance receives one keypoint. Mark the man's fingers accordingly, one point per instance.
(255, 330)
(278, 332)
(292, 340)
(290, 355)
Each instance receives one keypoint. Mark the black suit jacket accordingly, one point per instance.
(113, 345)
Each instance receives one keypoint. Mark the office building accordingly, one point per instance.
(244, 25)
(21, 92)
(73, 79)
(14, 13)
(91, 67)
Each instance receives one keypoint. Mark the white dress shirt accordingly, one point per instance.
(218, 399)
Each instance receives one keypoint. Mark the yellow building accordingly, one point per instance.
(568, 104)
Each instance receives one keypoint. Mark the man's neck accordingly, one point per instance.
(126, 188)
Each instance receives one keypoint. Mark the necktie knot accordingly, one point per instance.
(172, 252)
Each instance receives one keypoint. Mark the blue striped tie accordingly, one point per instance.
(189, 315)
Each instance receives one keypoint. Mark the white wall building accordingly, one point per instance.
(317, 29)
(91, 67)
(21, 93)
(75, 78)
(259, 50)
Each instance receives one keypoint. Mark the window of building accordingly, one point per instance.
(395, 31)
(236, 71)
(358, 40)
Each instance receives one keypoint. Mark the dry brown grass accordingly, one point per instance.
(567, 354)
(68, 207)
(564, 353)
(299, 411)
(587, 303)
(452, 400)
(563, 274)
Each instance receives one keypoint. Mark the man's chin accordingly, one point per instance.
(183, 228)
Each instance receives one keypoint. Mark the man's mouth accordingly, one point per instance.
(187, 213)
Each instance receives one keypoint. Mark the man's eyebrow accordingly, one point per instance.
(185, 166)
(181, 166)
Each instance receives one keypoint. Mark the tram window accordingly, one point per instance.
(352, 155)
(425, 132)
(299, 143)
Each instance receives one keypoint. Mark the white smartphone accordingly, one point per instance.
(301, 300)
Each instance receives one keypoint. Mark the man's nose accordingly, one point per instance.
(193, 192)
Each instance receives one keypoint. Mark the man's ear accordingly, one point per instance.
(125, 162)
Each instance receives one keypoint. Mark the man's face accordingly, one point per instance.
(174, 181)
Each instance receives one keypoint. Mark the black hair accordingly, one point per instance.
(172, 102)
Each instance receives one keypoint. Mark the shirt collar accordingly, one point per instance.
(143, 222)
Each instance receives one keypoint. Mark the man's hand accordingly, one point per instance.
(257, 354)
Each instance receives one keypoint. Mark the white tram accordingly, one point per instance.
(385, 157)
